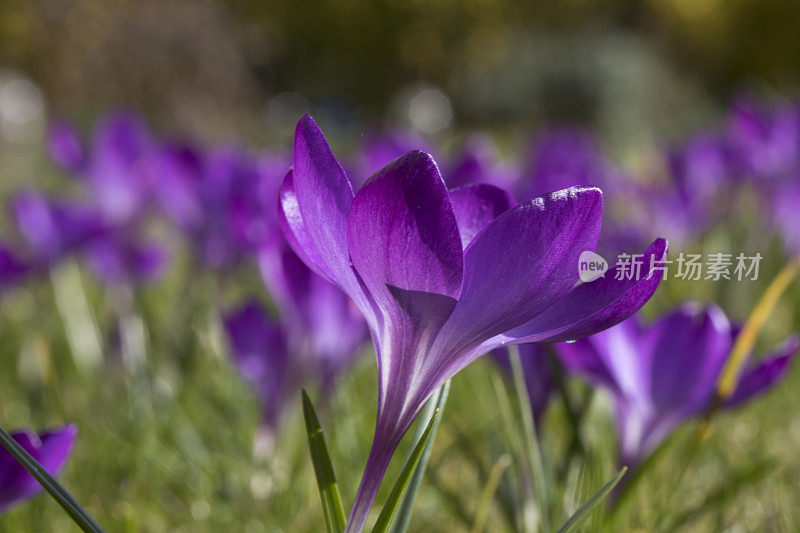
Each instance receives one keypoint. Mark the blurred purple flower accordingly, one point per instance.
(223, 199)
(259, 350)
(117, 259)
(445, 277)
(12, 268)
(324, 328)
(699, 176)
(666, 373)
(565, 157)
(765, 144)
(65, 147)
(316, 337)
(50, 449)
(121, 167)
(52, 228)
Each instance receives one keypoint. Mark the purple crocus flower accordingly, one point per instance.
(223, 199)
(684, 206)
(537, 373)
(565, 157)
(765, 144)
(121, 168)
(259, 350)
(662, 374)
(117, 258)
(316, 337)
(323, 327)
(53, 228)
(50, 449)
(445, 277)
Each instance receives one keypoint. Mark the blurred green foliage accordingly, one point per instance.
(215, 63)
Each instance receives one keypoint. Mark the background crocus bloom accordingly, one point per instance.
(444, 277)
(258, 347)
(665, 373)
(50, 448)
(324, 329)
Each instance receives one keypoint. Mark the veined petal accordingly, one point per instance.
(402, 231)
(294, 229)
(688, 349)
(323, 197)
(520, 264)
(475, 206)
(595, 306)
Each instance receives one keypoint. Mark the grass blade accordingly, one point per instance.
(326, 480)
(587, 507)
(434, 405)
(59, 493)
(488, 493)
(395, 497)
(534, 452)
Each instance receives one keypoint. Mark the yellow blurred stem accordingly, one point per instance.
(755, 323)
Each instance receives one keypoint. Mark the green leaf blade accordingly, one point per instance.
(323, 469)
(587, 507)
(434, 405)
(399, 489)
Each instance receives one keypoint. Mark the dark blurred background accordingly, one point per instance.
(220, 68)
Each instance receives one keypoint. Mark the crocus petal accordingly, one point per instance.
(587, 357)
(477, 205)
(51, 449)
(765, 374)
(595, 306)
(402, 230)
(323, 196)
(291, 222)
(688, 349)
(521, 264)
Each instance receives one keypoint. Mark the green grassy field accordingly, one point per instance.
(167, 427)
